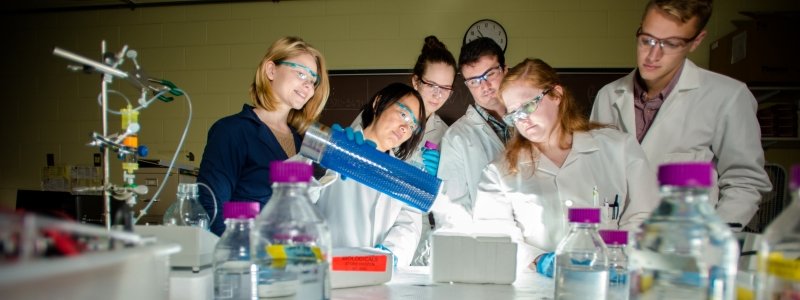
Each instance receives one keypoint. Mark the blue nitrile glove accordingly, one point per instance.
(546, 263)
(352, 135)
(430, 158)
(394, 257)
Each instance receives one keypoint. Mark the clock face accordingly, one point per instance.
(487, 28)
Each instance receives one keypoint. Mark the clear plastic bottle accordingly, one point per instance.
(234, 271)
(779, 250)
(581, 262)
(291, 244)
(684, 250)
(616, 241)
(186, 210)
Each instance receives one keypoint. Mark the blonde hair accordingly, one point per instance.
(261, 93)
(534, 72)
(684, 10)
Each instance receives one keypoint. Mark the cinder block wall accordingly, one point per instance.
(211, 51)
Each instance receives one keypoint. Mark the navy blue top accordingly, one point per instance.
(236, 162)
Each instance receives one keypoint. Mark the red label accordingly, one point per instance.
(372, 263)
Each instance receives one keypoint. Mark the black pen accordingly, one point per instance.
(616, 207)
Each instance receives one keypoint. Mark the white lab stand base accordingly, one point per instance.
(188, 285)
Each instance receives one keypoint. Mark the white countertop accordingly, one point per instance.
(416, 283)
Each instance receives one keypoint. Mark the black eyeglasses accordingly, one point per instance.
(438, 91)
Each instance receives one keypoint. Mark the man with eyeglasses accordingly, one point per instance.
(475, 139)
(681, 112)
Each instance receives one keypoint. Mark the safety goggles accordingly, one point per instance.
(525, 110)
(309, 76)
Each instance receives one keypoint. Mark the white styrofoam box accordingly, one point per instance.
(140, 272)
(189, 285)
(360, 266)
(473, 258)
(197, 244)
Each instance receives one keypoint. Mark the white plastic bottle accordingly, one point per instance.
(779, 251)
(684, 250)
(234, 272)
(581, 262)
(186, 210)
(616, 241)
(291, 244)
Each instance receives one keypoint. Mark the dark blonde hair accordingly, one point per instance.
(534, 72)
(261, 94)
(684, 10)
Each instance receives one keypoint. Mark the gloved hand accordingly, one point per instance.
(430, 158)
(353, 135)
(546, 264)
(394, 257)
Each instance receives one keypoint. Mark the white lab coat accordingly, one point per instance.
(533, 207)
(707, 117)
(468, 146)
(435, 128)
(359, 216)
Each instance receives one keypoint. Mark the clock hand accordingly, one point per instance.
(479, 32)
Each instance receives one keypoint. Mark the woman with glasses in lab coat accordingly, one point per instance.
(359, 216)
(557, 159)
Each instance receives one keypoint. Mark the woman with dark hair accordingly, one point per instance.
(557, 159)
(359, 216)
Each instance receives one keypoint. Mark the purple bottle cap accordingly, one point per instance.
(689, 174)
(302, 238)
(240, 210)
(431, 145)
(614, 237)
(795, 177)
(289, 171)
(584, 215)
(281, 237)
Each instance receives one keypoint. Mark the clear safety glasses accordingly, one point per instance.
(408, 116)
(525, 110)
(670, 45)
(309, 76)
(438, 91)
(476, 81)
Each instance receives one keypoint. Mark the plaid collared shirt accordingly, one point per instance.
(499, 127)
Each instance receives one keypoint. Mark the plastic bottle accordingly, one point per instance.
(581, 262)
(234, 271)
(616, 241)
(684, 250)
(420, 164)
(291, 244)
(779, 250)
(186, 210)
(368, 166)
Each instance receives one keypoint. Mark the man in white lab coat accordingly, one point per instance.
(476, 138)
(681, 112)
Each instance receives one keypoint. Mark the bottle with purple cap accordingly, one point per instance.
(779, 250)
(616, 241)
(581, 261)
(234, 271)
(291, 244)
(684, 250)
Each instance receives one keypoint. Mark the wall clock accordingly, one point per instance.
(487, 28)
